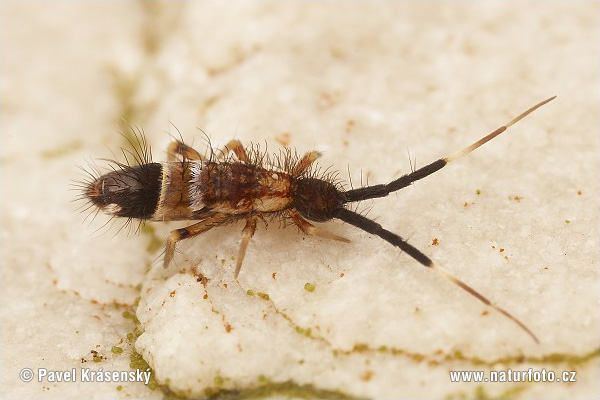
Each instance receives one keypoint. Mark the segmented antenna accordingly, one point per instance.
(375, 191)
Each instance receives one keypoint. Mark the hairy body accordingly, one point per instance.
(220, 189)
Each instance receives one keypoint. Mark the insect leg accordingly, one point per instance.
(236, 147)
(179, 148)
(304, 163)
(191, 231)
(374, 228)
(310, 229)
(371, 192)
(247, 234)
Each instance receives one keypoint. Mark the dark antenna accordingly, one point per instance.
(375, 191)
(374, 228)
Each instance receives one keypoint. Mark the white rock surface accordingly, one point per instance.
(364, 83)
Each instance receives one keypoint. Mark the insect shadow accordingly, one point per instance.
(243, 183)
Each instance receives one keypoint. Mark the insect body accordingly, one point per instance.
(222, 189)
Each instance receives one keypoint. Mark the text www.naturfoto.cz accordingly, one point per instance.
(509, 375)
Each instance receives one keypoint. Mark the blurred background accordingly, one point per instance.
(366, 83)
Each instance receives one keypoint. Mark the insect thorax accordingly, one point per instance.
(192, 187)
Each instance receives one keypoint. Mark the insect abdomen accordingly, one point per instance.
(174, 203)
(131, 192)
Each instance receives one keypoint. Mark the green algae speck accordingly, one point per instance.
(128, 315)
(309, 287)
(263, 296)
